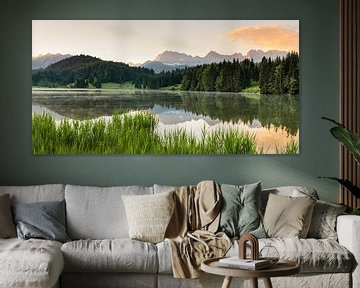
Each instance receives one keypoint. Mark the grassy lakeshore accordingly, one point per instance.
(134, 134)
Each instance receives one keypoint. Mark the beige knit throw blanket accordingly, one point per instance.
(191, 231)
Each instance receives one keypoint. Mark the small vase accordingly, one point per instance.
(270, 253)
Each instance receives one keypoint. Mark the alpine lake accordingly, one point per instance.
(272, 119)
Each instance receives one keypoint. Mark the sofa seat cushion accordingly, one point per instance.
(313, 255)
(30, 263)
(115, 255)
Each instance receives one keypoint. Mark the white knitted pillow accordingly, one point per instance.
(149, 215)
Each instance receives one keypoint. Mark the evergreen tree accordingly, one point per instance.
(208, 78)
(279, 76)
(264, 75)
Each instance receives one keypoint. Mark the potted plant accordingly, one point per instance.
(351, 141)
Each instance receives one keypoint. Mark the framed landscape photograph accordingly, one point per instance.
(165, 87)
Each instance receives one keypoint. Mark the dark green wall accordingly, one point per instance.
(319, 74)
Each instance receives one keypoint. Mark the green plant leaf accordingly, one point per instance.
(355, 211)
(333, 121)
(347, 184)
(348, 138)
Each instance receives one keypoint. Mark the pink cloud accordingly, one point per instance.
(267, 37)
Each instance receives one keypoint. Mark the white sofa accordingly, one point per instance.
(101, 255)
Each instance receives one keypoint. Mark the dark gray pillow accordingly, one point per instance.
(240, 213)
(7, 227)
(44, 220)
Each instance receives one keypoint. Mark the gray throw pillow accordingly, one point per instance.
(44, 220)
(323, 222)
(7, 227)
(240, 213)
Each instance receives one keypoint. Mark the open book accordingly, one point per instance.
(236, 262)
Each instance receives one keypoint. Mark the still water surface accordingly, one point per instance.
(274, 119)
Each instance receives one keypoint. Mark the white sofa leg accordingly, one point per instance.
(348, 229)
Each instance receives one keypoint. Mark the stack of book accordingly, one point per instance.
(248, 264)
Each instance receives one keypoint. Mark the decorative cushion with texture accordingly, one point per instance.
(288, 217)
(149, 215)
(7, 226)
(323, 222)
(240, 213)
(43, 220)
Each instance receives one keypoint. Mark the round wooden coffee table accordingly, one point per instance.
(281, 268)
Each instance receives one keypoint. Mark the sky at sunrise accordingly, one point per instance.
(140, 40)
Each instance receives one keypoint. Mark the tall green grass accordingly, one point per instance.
(292, 147)
(131, 134)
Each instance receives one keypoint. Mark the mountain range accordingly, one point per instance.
(171, 60)
(43, 61)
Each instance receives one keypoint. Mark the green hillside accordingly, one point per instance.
(278, 76)
(80, 71)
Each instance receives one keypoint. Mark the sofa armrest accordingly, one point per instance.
(348, 230)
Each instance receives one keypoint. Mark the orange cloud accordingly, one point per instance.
(267, 37)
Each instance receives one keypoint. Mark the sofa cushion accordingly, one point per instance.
(323, 222)
(149, 215)
(313, 255)
(240, 210)
(30, 263)
(291, 191)
(117, 255)
(36, 193)
(42, 220)
(287, 216)
(164, 257)
(163, 188)
(7, 226)
(98, 213)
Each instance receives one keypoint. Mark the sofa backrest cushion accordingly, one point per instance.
(98, 212)
(162, 188)
(36, 193)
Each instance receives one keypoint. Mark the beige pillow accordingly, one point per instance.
(7, 226)
(149, 215)
(288, 217)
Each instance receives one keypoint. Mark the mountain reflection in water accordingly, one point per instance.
(273, 118)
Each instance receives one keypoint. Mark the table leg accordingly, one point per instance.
(254, 282)
(267, 283)
(227, 282)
